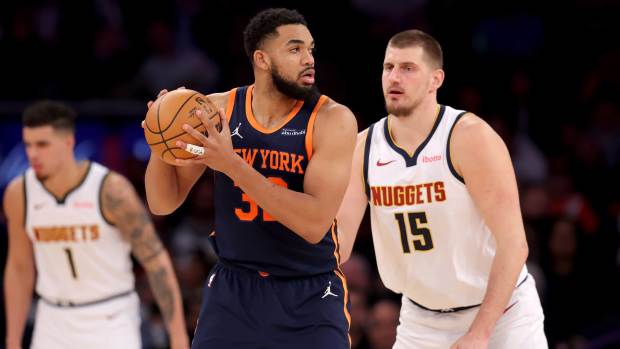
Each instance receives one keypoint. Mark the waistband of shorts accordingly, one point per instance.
(70, 304)
(456, 309)
(239, 267)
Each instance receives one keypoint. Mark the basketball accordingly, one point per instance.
(163, 125)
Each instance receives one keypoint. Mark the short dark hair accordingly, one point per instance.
(419, 38)
(56, 114)
(265, 23)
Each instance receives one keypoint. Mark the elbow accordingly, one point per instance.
(313, 238)
(525, 250)
(316, 235)
(160, 207)
(160, 210)
(517, 250)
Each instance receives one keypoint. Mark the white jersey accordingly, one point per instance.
(430, 240)
(79, 256)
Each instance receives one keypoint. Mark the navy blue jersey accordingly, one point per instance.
(247, 235)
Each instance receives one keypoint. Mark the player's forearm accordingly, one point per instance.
(161, 185)
(507, 265)
(300, 212)
(166, 290)
(347, 232)
(18, 287)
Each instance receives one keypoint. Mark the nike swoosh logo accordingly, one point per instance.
(379, 163)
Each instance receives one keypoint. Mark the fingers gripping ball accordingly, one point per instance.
(163, 124)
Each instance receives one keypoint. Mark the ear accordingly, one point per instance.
(70, 141)
(261, 60)
(437, 79)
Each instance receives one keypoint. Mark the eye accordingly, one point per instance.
(294, 50)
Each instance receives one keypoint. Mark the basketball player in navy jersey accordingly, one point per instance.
(280, 176)
(445, 214)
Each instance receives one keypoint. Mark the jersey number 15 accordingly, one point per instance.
(422, 236)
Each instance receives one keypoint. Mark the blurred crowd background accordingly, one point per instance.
(547, 78)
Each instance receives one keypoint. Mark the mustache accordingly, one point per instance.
(306, 70)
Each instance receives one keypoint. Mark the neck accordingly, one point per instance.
(67, 177)
(268, 104)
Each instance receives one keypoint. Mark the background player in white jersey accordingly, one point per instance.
(445, 213)
(77, 223)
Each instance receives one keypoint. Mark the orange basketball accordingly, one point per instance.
(165, 118)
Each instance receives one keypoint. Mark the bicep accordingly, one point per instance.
(351, 211)
(489, 176)
(20, 246)
(355, 201)
(187, 176)
(128, 213)
(329, 168)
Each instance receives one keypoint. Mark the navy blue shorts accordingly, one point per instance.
(242, 309)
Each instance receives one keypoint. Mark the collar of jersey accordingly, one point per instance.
(411, 159)
(252, 120)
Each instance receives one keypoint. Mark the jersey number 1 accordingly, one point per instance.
(422, 235)
(71, 263)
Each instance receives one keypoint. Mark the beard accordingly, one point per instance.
(292, 89)
(399, 111)
(402, 109)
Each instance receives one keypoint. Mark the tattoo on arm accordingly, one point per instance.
(121, 203)
(158, 280)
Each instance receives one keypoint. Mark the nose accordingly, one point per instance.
(393, 76)
(308, 58)
(31, 153)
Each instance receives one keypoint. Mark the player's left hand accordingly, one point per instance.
(218, 149)
(471, 341)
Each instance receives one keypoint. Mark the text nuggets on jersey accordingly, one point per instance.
(75, 233)
(415, 194)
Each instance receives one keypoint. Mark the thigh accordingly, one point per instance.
(114, 324)
(50, 328)
(419, 328)
(241, 309)
(313, 313)
(227, 316)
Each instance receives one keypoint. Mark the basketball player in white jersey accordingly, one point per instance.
(76, 224)
(445, 214)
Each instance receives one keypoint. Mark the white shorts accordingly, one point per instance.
(520, 327)
(111, 324)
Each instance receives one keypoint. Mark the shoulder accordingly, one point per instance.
(14, 197)
(471, 131)
(474, 142)
(115, 188)
(335, 115)
(115, 179)
(331, 108)
(221, 99)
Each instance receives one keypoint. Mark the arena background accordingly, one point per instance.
(547, 78)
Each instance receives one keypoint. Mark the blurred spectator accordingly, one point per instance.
(191, 235)
(358, 273)
(565, 284)
(359, 317)
(566, 202)
(382, 324)
(169, 66)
